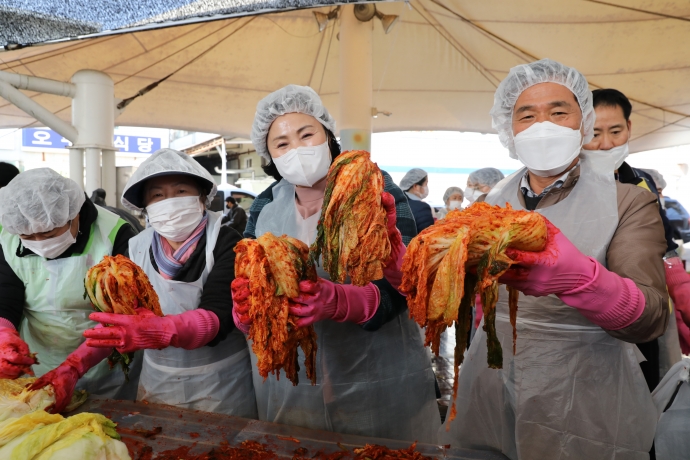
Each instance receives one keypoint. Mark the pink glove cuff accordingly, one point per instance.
(393, 271)
(7, 324)
(244, 328)
(195, 328)
(85, 357)
(608, 300)
(356, 304)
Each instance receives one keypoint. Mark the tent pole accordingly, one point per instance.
(40, 85)
(356, 80)
(40, 113)
(93, 169)
(93, 115)
(109, 177)
(223, 163)
(76, 165)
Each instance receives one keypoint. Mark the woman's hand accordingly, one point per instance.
(392, 271)
(128, 333)
(241, 304)
(324, 299)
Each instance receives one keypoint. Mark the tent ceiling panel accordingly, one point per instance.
(437, 69)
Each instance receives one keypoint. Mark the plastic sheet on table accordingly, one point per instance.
(149, 429)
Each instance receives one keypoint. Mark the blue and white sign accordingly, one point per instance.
(43, 138)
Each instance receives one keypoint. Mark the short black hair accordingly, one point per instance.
(7, 173)
(231, 200)
(612, 98)
(333, 146)
(421, 182)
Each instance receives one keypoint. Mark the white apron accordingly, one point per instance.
(376, 384)
(211, 379)
(572, 390)
(672, 399)
(56, 312)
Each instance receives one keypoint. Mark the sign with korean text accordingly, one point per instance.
(43, 138)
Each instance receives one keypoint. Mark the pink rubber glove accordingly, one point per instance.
(128, 333)
(240, 304)
(14, 353)
(683, 334)
(478, 311)
(64, 378)
(605, 298)
(678, 282)
(339, 302)
(393, 271)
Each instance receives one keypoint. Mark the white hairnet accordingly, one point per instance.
(290, 99)
(452, 191)
(413, 176)
(526, 75)
(486, 176)
(38, 201)
(658, 178)
(165, 162)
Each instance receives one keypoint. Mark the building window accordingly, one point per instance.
(248, 163)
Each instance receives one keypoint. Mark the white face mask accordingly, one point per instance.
(52, 247)
(454, 204)
(176, 218)
(662, 200)
(472, 194)
(547, 149)
(424, 192)
(618, 154)
(305, 166)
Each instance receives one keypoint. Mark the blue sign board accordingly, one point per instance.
(48, 139)
(43, 138)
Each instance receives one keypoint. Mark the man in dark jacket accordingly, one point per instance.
(612, 131)
(98, 198)
(236, 217)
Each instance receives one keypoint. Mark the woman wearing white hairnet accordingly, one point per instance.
(374, 377)
(51, 235)
(574, 388)
(194, 356)
(481, 181)
(453, 198)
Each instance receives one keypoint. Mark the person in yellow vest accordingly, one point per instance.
(51, 235)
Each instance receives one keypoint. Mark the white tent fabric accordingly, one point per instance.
(436, 70)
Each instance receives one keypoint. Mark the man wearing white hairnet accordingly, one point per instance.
(574, 388)
(51, 235)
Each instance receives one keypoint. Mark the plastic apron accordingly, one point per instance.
(572, 390)
(56, 313)
(368, 383)
(212, 379)
(672, 399)
(669, 344)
